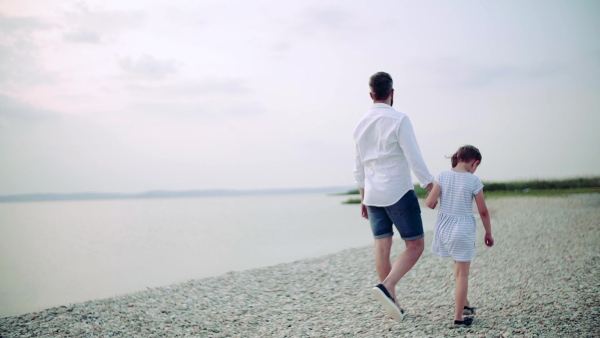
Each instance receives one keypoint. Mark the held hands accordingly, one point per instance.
(431, 199)
(489, 241)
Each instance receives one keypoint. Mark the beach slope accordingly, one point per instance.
(541, 279)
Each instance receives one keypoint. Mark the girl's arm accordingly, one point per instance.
(485, 218)
(432, 198)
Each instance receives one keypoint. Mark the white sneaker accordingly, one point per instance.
(389, 304)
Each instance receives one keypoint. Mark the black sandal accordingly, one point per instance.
(468, 311)
(462, 323)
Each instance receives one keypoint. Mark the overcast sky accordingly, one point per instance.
(129, 96)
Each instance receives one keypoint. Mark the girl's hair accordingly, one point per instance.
(465, 154)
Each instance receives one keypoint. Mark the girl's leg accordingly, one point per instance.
(455, 272)
(461, 276)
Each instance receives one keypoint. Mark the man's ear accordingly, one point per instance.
(372, 96)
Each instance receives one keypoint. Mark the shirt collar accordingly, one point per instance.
(380, 105)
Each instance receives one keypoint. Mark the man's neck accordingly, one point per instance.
(388, 102)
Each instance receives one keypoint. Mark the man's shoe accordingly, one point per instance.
(462, 323)
(389, 304)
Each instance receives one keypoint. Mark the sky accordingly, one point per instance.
(129, 96)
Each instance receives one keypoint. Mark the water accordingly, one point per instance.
(57, 253)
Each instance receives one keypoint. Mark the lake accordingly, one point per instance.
(56, 253)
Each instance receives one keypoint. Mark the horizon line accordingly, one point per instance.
(163, 193)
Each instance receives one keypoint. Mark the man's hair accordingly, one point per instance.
(381, 85)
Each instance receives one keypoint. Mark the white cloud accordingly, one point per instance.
(95, 25)
(19, 64)
(317, 18)
(457, 73)
(147, 67)
(15, 111)
(83, 37)
(28, 24)
(210, 86)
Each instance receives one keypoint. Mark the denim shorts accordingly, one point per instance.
(404, 214)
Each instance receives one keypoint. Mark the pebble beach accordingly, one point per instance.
(541, 279)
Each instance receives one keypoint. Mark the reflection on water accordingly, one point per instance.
(56, 253)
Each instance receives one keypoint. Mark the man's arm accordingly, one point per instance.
(410, 147)
(359, 170)
(363, 208)
(359, 177)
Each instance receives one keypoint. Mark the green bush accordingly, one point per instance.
(532, 188)
(574, 183)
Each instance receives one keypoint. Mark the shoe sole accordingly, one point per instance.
(390, 307)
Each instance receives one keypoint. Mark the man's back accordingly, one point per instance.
(386, 151)
(376, 134)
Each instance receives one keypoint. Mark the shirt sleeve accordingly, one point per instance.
(359, 170)
(477, 186)
(410, 147)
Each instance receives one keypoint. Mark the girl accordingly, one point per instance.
(454, 234)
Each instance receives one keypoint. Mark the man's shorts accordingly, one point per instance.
(404, 214)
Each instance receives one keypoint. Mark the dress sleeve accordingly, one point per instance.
(477, 185)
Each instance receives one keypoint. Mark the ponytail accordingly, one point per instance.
(454, 159)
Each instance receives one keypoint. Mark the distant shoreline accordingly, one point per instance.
(498, 189)
(41, 197)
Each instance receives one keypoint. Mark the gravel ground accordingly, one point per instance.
(539, 280)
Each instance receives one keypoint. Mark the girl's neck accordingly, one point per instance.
(461, 167)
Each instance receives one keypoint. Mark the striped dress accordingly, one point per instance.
(454, 234)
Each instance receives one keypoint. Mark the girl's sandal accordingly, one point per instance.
(468, 311)
(462, 323)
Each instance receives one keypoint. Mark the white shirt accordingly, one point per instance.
(386, 151)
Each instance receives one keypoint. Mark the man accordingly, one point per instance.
(386, 151)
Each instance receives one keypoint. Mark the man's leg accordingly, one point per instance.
(406, 216)
(385, 295)
(382, 228)
(383, 247)
(403, 264)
